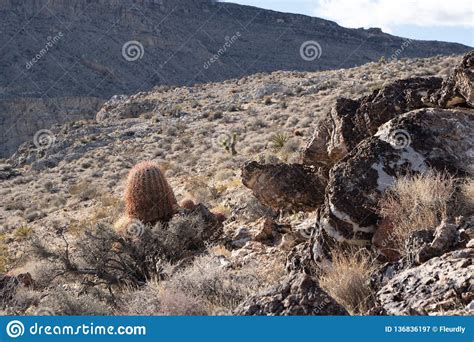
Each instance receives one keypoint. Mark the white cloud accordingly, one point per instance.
(387, 14)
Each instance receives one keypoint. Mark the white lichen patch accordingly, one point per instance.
(384, 180)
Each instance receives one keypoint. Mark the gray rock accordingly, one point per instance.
(458, 89)
(441, 286)
(298, 294)
(291, 187)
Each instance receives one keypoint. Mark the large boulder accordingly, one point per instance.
(442, 139)
(298, 294)
(458, 89)
(290, 187)
(441, 286)
(351, 121)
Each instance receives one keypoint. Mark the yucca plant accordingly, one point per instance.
(278, 141)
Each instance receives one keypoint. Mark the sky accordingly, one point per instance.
(446, 20)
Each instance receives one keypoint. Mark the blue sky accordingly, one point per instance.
(447, 20)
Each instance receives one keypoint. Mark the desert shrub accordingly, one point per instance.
(23, 298)
(210, 281)
(466, 197)
(23, 232)
(182, 236)
(61, 302)
(133, 254)
(416, 202)
(155, 299)
(84, 190)
(347, 280)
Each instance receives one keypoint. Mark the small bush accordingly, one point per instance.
(208, 280)
(467, 197)
(347, 280)
(416, 202)
(278, 141)
(23, 232)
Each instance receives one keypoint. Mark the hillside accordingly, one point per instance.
(72, 182)
(59, 62)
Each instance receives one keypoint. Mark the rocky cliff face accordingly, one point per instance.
(22, 117)
(56, 49)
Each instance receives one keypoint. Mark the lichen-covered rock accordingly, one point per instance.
(445, 237)
(290, 187)
(441, 286)
(298, 294)
(351, 121)
(426, 138)
(458, 88)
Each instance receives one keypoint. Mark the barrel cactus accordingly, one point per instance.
(148, 196)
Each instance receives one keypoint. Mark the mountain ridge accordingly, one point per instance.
(53, 49)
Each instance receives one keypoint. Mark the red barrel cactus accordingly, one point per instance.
(148, 196)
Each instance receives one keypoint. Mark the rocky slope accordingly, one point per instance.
(96, 49)
(278, 232)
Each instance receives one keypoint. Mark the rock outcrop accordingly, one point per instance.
(298, 294)
(281, 186)
(458, 89)
(441, 286)
(413, 142)
(351, 121)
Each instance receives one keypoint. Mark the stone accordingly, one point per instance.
(445, 237)
(298, 294)
(7, 172)
(383, 240)
(458, 88)
(289, 187)
(441, 286)
(299, 259)
(351, 121)
(240, 238)
(429, 138)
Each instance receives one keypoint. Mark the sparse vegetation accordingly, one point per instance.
(23, 232)
(278, 141)
(347, 279)
(417, 202)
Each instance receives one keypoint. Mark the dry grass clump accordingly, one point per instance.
(466, 196)
(347, 280)
(209, 285)
(220, 288)
(417, 202)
